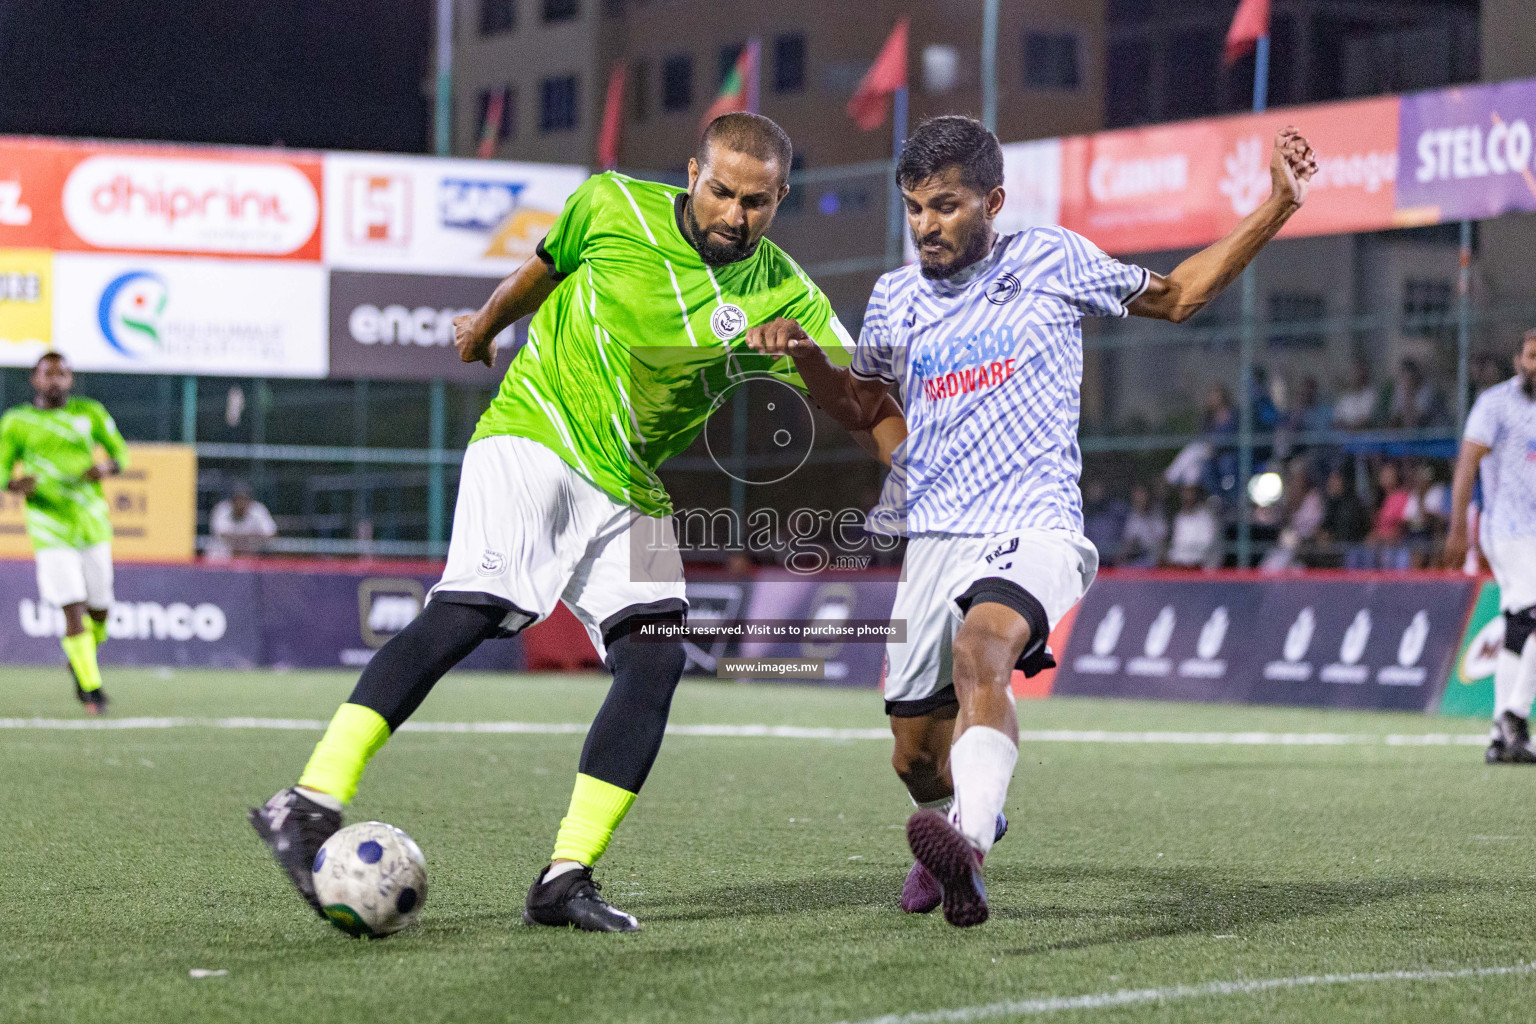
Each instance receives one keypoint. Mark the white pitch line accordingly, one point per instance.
(786, 732)
(1131, 997)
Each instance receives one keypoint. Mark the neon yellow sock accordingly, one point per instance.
(98, 630)
(597, 807)
(80, 649)
(356, 733)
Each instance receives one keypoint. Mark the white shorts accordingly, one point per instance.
(1513, 562)
(528, 530)
(72, 575)
(939, 580)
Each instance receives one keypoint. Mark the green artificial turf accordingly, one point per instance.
(765, 870)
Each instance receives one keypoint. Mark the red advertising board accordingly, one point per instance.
(92, 197)
(1183, 185)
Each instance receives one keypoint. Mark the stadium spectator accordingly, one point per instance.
(1146, 530)
(1196, 542)
(1426, 514)
(1486, 371)
(1357, 408)
(1416, 402)
(1309, 411)
(1389, 530)
(240, 525)
(1103, 519)
(1346, 523)
(1302, 501)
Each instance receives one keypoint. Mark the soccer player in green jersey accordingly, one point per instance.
(645, 298)
(55, 440)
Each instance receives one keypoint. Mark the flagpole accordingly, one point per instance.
(989, 65)
(443, 108)
(1248, 345)
(754, 84)
(897, 214)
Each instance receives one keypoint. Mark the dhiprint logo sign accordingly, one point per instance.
(129, 313)
(178, 204)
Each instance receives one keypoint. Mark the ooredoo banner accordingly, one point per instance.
(1467, 152)
(1375, 643)
(423, 215)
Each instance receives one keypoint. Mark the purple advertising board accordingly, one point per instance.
(779, 595)
(1372, 642)
(229, 617)
(1466, 153)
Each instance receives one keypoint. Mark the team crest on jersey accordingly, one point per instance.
(491, 563)
(727, 321)
(1005, 289)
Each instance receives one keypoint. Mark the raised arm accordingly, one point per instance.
(474, 334)
(864, 407)
(1199, 279)
(1456, 542)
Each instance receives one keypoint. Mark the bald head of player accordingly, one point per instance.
(52, 380)
(736, 180)
(951, 178)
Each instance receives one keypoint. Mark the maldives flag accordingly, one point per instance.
(1249, 23)
(739, 90)
(490, 131)
(889, 73)
(613, 119)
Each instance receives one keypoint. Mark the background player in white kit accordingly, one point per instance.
(1500, 439)
(984, 339)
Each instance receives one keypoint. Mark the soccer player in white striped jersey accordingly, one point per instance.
(983, 338)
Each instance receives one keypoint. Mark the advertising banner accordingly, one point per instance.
(1381, 644)
(136, 314)
(153, 507)
(400, 327)
(785, 596)
(1187, 184)
(26, 305)
(226, 617)
(1467, 152)
(1470, 688)
(423, 215)
(205, 201)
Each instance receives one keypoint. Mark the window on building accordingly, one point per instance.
(560, 10)
(1128, 83)
(640, 90)
(557, 104)
(1294, 320)
(1193, 60)
(677, 83)
(507, 126)
(497, 16)
(789, 63)
(1427, 308)
(1050, 60)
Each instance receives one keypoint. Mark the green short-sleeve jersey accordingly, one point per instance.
(58, 446)
(641, 340)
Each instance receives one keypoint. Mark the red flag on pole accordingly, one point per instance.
(613, 120)
(889, 73)
(1249, 23)
(490, 131)
(739, 90)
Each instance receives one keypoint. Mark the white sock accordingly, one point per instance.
(982, 762)
(323, 799)
(1524, 689)
(554, 871)
(942, 806)
(1506, 669)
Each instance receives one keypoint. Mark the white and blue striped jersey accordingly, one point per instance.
(1503, 419)
(990, 366)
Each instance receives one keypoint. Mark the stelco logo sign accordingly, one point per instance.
(182, 205)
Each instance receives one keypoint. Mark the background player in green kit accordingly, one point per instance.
(55, 441)
(644, 298)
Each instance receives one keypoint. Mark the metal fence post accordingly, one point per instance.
(189, 410)
(1463, 326)
(437, 429)
(1245, 417)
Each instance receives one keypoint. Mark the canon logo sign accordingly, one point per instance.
(189, 205)
(1110, 179)
(397, 325)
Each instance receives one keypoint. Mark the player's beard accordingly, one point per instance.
(713, 253)
(1528, 384)
(975, 247)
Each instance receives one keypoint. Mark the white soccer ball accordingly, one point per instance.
(371, 879)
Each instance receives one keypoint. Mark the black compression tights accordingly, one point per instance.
(404, 671)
